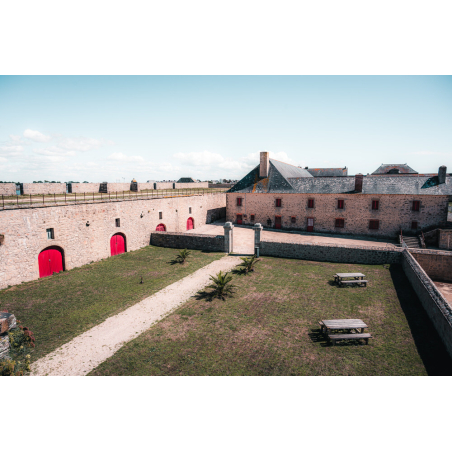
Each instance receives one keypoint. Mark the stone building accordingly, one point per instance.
(283, 196)
(38, 241)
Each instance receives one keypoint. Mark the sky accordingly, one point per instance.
(116, 128)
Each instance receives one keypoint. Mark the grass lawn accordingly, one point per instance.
(269, 327)
(62, 306)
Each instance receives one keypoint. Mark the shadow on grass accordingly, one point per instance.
(428, 343)
(204, 295)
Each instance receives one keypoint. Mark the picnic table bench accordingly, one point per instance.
(326, 326)
(339, 279)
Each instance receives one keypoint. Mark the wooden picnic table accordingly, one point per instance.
(340, 278)
(342, 324)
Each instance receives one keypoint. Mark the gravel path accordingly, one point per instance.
(87, 351)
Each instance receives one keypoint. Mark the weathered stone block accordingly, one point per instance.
(7, 322)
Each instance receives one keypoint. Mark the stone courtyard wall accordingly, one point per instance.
(25, 234)
(8, 189)
(44, 189)
(435, 305)
(437, 264)
(394, 211)
(191, 185)
(330, 253)
(189, 241)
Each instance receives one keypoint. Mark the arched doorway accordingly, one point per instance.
(118, 244)
(161, 227)
(190, 224)
(50, 261)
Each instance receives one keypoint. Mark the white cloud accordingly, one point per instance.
(54, 150)
(34, 135)
(11, 151)
(81, 144)
(120, 157)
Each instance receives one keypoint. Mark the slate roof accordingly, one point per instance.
(327, 172)
(384, 168)
(185, 180)
(284, 178)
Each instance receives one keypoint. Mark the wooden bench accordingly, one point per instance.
(347, 337)
(354, 281)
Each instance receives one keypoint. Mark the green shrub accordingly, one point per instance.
(21, 341)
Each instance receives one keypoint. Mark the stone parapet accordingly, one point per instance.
(44, 189)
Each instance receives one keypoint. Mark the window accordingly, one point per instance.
(339, 223)
(374, 224)
(310, 203)
(375, 205)
(50, 234)
(278, 202)
(252, 218)
(340, 203)
(414, 225)
(160, 215)
(189, 210)
(118, 222)
(416, 206)
(293, 219)
(239, 201)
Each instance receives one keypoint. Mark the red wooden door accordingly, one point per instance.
(161, 227)
(278, 222)
(239, 219)
(310, 224)
(190, 223)
(50, 262)
(117, 244)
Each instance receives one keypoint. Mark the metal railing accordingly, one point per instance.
(55, 199)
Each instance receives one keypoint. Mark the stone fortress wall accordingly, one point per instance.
(7, 189)
(394, 211)
(45, 189)
(24, 230)
(86, 188)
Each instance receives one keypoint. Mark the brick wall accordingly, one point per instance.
(8, 189)
(394, 211)
(437, 264)
(25, 229)
(330, 253)
(190, 241)
(86, 188)
(44, 189)
(433, 302)
(445, 239)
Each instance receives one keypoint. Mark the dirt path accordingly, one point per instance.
(87, 351)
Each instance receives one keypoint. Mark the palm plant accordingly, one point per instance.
(183, 256)
(248, 263)
(221, 285)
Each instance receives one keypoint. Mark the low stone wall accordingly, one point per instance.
(435, 305)
(86, 188)
(145, 186)
(191, 185)
(44, 189)
(330, 253)
(445, 239)
(113, 187)
(8, 189)
(189, 241)
(437, 264)
(163, 185)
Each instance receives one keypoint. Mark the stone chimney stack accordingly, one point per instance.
(441, 174)
(359, 183)
(264, 164)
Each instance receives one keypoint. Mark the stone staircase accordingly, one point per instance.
(411, 242)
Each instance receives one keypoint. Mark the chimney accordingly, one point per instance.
(442, 174)
(359, 183)
(264, 164)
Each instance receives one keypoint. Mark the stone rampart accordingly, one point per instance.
(163, 185)
(145, 186)
(8, 189)
(113, 187)
(45, 189)
(85, 188)
(330, 253)
(437, 264)
(191, 185)
(189, 241)
(83, 231)
(436, 306)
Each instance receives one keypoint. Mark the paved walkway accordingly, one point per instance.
(243, 238)
(85, 352)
